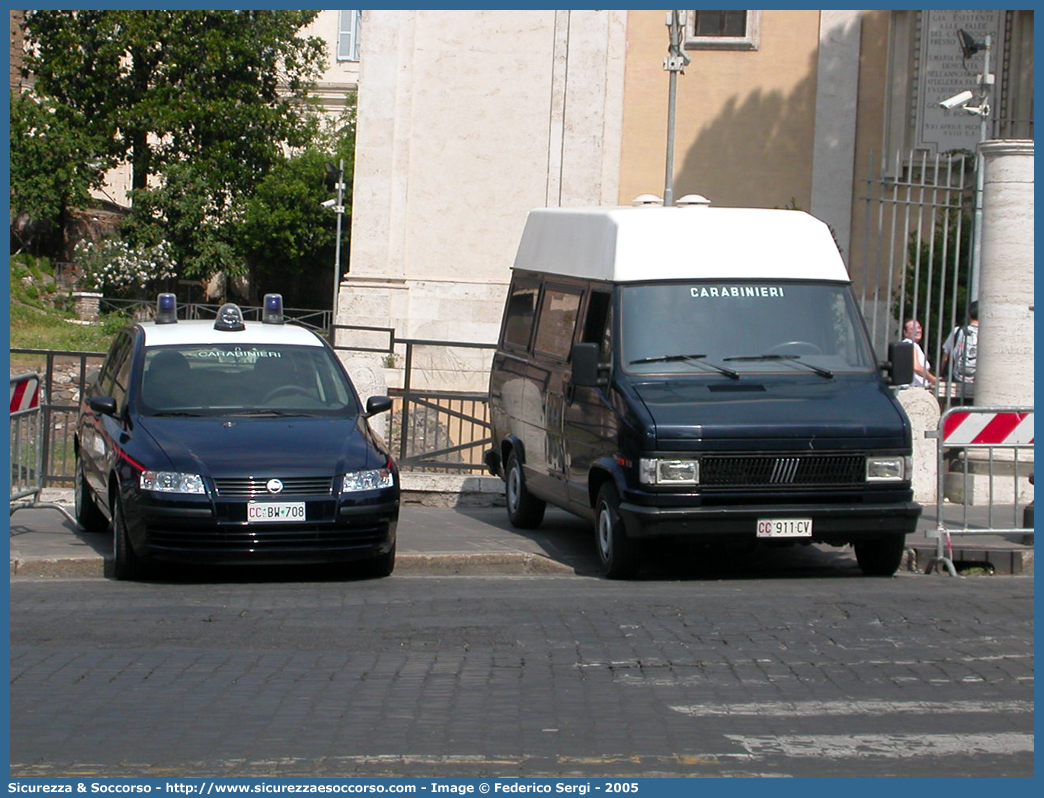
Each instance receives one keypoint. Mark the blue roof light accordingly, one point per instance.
(166, 309)
(273, 312)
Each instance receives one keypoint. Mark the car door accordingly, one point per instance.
(97, 431)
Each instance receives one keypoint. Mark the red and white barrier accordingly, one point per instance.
(988, 428)
(25, 394)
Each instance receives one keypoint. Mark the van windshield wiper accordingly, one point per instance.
(692, 360)
(822, 372)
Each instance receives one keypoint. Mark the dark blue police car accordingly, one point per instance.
(231, 441)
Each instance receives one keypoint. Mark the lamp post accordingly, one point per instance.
(335, 180)
(675, 62)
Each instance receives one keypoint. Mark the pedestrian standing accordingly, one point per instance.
(912, 334)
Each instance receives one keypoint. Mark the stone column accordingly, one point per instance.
(1004, 365)
(1004, 368)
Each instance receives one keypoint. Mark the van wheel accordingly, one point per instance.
(525, 511)
(88, 515)
(619, 554)
(880, 556)
(125, 563)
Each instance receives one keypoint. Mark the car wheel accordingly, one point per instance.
(383, 564)
(525, 511)
(620, 555)
(125, 563)
(88, 516)
(880, 556)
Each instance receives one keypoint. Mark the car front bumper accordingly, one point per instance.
(334, 530)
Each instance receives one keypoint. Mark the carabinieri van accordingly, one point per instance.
(697, 372)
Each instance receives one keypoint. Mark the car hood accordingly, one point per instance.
(283, 447)
(807, 414)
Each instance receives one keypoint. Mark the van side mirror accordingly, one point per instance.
(377, 404)
(586, 372)
(900, 365)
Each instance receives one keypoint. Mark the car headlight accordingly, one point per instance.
(888, 469)
(368, 480)
(171, 482)
(669, 472)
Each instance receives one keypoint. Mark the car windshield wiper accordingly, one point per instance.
(182, 413)
(692, 360)
(822, 372)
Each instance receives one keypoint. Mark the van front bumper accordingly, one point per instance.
(833, 524)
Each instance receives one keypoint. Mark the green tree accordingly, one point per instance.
(50, 172)
(201, 105)
(283, 231)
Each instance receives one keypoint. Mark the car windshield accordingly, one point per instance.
(245, 379)
(742, 327)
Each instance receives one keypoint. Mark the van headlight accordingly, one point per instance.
(656, 471)
(888, 469)
(171, 482)
(374, 479)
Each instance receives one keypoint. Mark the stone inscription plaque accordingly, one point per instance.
(944, 72)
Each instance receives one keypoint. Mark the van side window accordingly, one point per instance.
(521, 311)
(557, 321)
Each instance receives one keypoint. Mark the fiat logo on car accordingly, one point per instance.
(274, 486)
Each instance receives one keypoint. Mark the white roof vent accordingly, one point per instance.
(646, 199)
(694, 201)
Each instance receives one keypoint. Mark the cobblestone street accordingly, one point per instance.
(819, 674)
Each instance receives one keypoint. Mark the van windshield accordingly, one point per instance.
(742, 327)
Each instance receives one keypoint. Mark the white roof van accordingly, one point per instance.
(697, 372)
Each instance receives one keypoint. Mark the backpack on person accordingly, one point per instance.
(965, 350)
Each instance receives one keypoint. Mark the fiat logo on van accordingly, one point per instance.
(274, 486)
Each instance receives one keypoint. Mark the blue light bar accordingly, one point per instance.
(166, 309)
(273, 312)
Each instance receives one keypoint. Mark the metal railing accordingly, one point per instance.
(980, 455)
(139, 308)
(432, 429)
(28, 432)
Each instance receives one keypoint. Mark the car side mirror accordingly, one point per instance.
(586, 368)
(377, 404)
(104, 405)
(900, 365)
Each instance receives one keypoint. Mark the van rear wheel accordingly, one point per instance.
(880, 556)
(620, 555)
(525, 511)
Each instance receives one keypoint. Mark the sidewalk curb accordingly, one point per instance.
(449, 564)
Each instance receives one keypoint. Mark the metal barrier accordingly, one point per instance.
(64, 376)
(432, 430)
(27, 445)
(971, 438)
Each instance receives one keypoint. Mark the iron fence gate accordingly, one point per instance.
(915, 257)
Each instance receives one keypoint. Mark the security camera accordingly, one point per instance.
(328, 203)
(957, 100)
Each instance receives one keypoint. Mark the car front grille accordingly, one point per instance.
(771, 470)
(257, 486)
(255, 540)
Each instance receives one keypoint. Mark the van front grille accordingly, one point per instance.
(769, 470)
